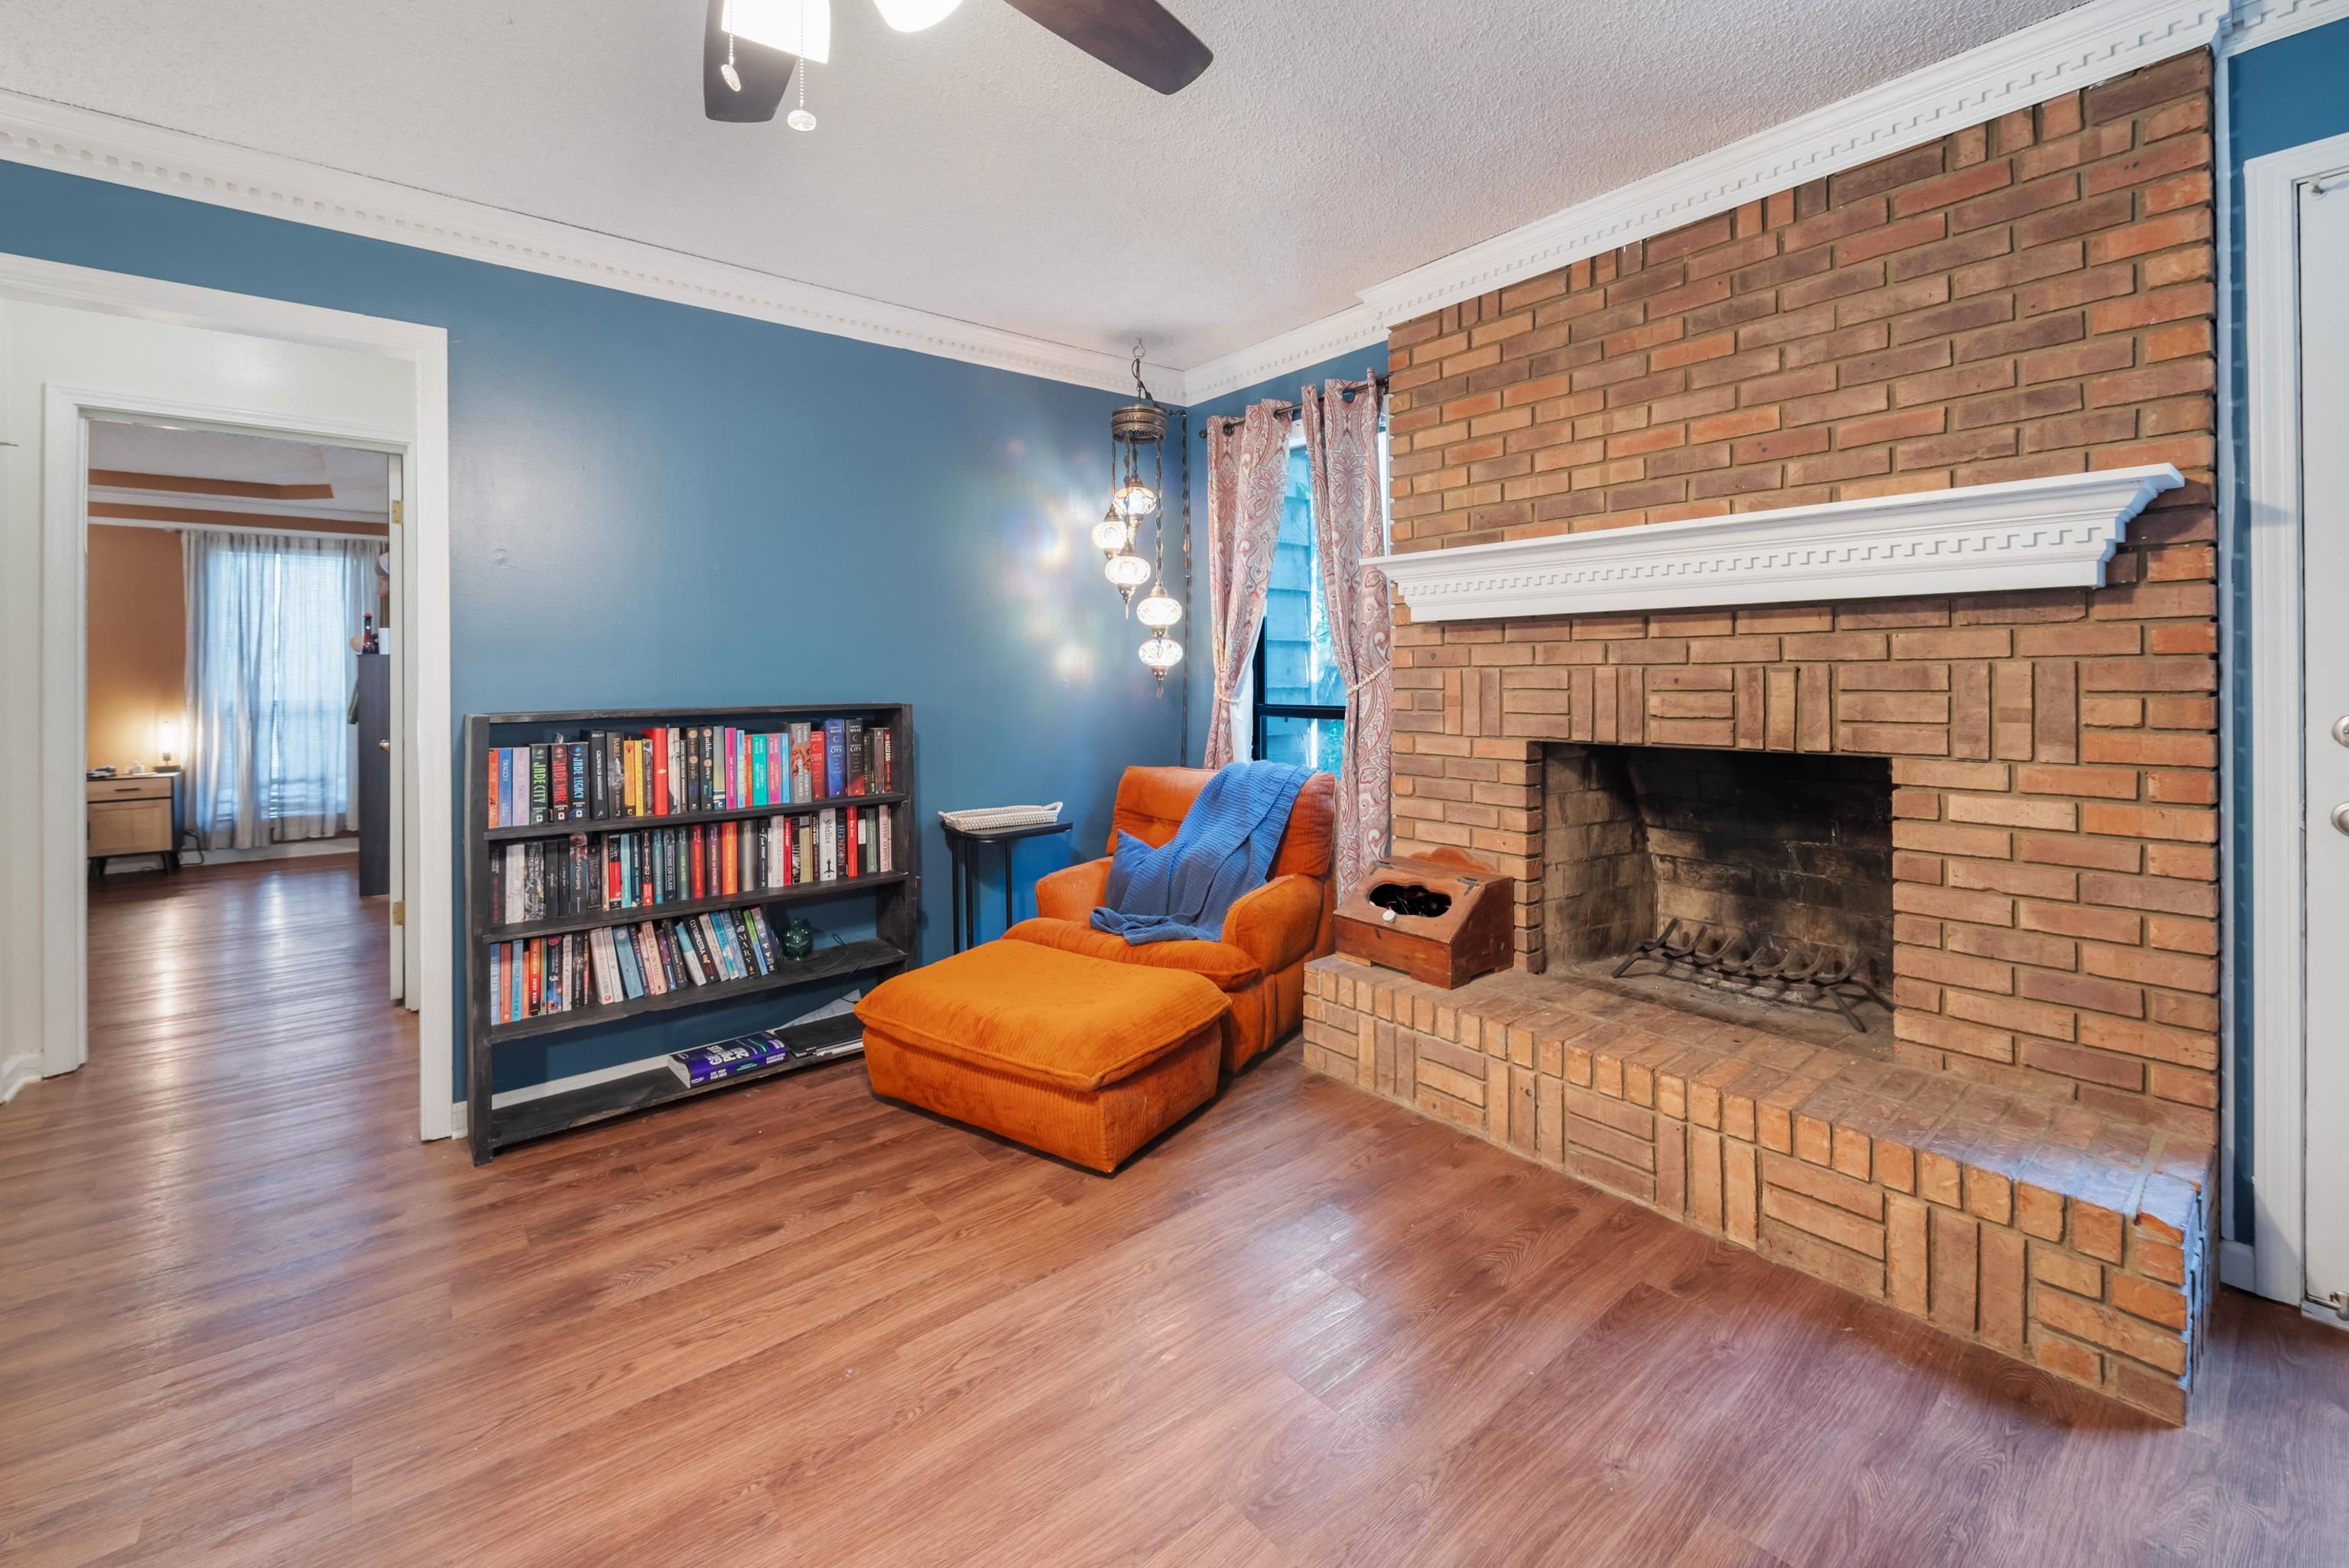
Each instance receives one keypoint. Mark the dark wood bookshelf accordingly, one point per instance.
(896, 897)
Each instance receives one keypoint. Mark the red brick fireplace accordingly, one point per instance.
(2023, 1156)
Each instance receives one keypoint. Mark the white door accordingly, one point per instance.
(2324, 502)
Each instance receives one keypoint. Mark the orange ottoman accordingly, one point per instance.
(1076, 1057)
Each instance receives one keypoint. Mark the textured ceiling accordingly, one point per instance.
(361, 479)
(985, 170)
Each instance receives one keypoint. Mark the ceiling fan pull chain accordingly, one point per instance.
(733, 78)
(799, 118)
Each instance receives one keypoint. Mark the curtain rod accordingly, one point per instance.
(1289, 410)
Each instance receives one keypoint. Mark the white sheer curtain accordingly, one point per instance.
(271, 753)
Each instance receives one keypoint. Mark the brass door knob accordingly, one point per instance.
(383, 745)
(2341, 816)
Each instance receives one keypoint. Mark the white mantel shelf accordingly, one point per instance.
(1978, 538)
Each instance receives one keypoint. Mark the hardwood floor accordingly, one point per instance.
(246, 1319)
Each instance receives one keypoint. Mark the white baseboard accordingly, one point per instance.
(16, 1073)
(2238, 1266)
(300, 849)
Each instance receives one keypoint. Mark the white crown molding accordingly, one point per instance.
(234, 506)
(2258, 22)
(1355, 327)
(97, 146)
(2090, 44)
(2094, 43)
(1979, 539)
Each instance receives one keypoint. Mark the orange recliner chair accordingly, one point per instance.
(1269, 933)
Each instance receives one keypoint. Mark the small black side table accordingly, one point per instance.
(966, 897)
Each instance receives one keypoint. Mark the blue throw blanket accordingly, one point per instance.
(1180, 891)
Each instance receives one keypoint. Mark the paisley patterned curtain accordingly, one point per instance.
(1247, 469)
(1341, 446)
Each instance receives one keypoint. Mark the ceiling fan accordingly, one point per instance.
(750, 47)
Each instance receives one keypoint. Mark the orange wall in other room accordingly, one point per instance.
(138, 642)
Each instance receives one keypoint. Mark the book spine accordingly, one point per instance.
(495, 806)
(632, 973)
(836, 758)
(707, 956)
(886, 857)
(578, 757)
(538, 783)
(646, 964)
(770, 950)
(853, 748)
(669, 970)
(558, 783)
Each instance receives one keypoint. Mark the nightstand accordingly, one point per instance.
(133, 814)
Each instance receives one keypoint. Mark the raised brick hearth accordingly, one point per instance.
(2026, 298)
(2076, 1241)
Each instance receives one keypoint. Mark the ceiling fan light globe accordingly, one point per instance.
(802, 28)
(913, 16)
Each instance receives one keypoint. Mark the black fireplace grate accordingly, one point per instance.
(1764, 967)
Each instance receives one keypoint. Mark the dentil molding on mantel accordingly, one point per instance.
(2055, 532)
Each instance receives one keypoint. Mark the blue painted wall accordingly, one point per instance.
(2279, 95)
(1199, 683)
(658, 506)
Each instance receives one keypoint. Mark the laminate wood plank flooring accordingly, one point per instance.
(245, 1318)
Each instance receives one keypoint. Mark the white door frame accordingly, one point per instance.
(2276, 754)
(424, 573)
(399, 934)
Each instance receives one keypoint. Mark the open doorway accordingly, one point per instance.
(81, 351)
(242, 700)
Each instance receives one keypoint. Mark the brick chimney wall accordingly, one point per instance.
(2025, 297)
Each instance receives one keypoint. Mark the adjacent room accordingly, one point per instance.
(1152, 781)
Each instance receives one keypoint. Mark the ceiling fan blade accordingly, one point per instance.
(764, 74)
(1136, 37)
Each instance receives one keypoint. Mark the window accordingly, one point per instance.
(269, 682)
(1301, 696)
